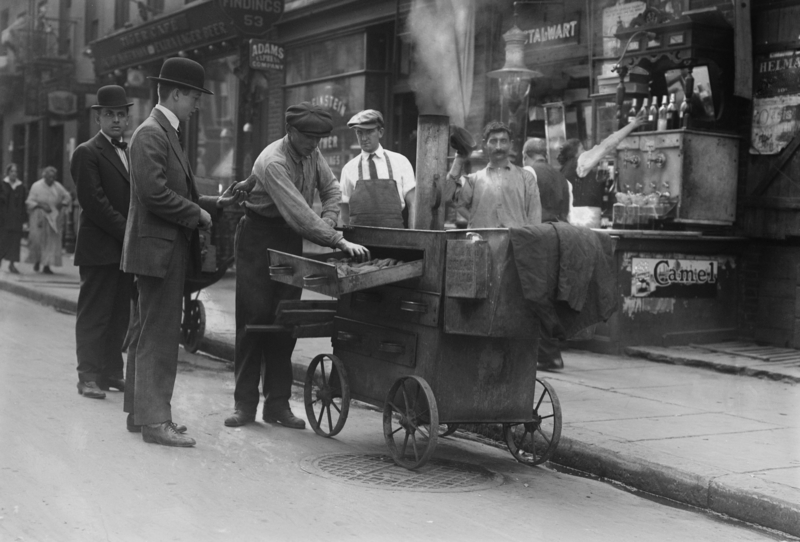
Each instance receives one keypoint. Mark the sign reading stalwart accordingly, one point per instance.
(265, 55)
(252, 17)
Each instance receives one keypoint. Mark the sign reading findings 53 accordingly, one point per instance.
(252, 17)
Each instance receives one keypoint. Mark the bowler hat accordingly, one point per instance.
(182, 72)
(111, 96)
(367, 119)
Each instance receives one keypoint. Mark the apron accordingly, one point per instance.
(375, 202)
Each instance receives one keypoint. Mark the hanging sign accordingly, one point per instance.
(252, 17)
(265, 55)
(653, 277)
(62, 102)
(550, 35)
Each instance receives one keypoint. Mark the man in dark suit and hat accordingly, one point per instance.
(278, 215)
(99, 168)
(165, 213)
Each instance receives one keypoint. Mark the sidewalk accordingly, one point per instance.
(728, 443)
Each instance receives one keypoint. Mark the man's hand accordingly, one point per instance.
(205, 220)
(641, 118)
(356, 251)
(246, 185)
(231, 197)
(44, 207)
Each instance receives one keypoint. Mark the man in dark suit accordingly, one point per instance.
(165, 213)
(99, 168)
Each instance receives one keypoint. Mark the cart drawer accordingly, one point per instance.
(392, 303)
(377, 342)
(316, 274)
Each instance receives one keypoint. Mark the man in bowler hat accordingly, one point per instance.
(278, 215)
(99, 167)
(165, 214)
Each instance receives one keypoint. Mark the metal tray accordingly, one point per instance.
(316, 274)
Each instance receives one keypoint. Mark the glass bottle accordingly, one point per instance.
(632, 112)
(685, 112)
(644, 127)
(662, 115)
(672, 114)
(652, 115)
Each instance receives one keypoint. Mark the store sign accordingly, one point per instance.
(562, 33)
(776, 101)
(252, 17)
(193, 27)
(265, 55)
(652, 277)
(62, 102)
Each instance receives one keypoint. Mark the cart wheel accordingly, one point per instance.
(194, 325)
(326, 388)
(534, 442)
(411, 407)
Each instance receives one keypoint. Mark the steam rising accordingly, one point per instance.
(443, 32)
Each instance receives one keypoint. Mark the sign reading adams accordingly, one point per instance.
(265, 55)
(252, 17)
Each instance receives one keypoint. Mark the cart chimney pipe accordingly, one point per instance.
(433, 143)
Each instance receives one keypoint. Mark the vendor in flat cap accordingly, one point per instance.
(161, 241)
(278, 215)
(99, 168)
(377, 185)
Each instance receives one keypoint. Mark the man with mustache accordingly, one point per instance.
(501, 195)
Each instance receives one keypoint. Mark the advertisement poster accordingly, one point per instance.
(654, 277)
(615, 19)
(776, 101)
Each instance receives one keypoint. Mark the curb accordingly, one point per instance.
(748, 500)
(674, 359)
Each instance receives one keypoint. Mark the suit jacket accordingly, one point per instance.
(164, 200)
(104, 194)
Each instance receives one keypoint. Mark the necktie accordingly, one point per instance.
(373, 171)
(119, 144)
(180, 135)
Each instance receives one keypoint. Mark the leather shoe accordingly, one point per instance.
(285, 418)
(116, 383)
(133, 428)
(554, 364)
(239, 418)
(90, 390)
(166, 435)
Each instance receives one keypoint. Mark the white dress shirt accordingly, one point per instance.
(122, 156)
(401, 170)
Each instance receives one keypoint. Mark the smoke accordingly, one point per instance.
(443, 37)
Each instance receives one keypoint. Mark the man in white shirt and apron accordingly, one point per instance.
(377, 185)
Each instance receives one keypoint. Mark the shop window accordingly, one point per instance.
(325, 59)
(215, 158)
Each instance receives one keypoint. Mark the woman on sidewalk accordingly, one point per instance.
(12, 216)
(45, 202)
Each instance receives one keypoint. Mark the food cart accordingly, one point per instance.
(441, 339)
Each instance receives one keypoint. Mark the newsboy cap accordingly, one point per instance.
(183, 73)
(309, 119)
(111, 96)
(367, 119)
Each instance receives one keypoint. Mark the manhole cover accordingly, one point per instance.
(380, 472)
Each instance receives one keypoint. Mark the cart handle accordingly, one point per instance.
(348, 337)
(314, 280)
(391, 348)
(276, 270)
(413, 306)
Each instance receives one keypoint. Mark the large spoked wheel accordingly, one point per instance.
(411, 422)
(327, 395)
(534, 442)
(194, 324)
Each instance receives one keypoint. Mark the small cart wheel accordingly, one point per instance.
(534, 442)
(194, 325)
(410, 413)
(327, 395)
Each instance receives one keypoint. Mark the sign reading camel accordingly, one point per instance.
(252, 17)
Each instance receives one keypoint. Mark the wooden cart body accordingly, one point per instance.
(453, 314)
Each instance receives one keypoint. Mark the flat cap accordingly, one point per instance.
(535, 145)
(367, 119)
(309, 119)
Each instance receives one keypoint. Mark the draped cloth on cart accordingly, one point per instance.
(568, 275)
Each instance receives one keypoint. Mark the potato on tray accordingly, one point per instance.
(348, 266)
